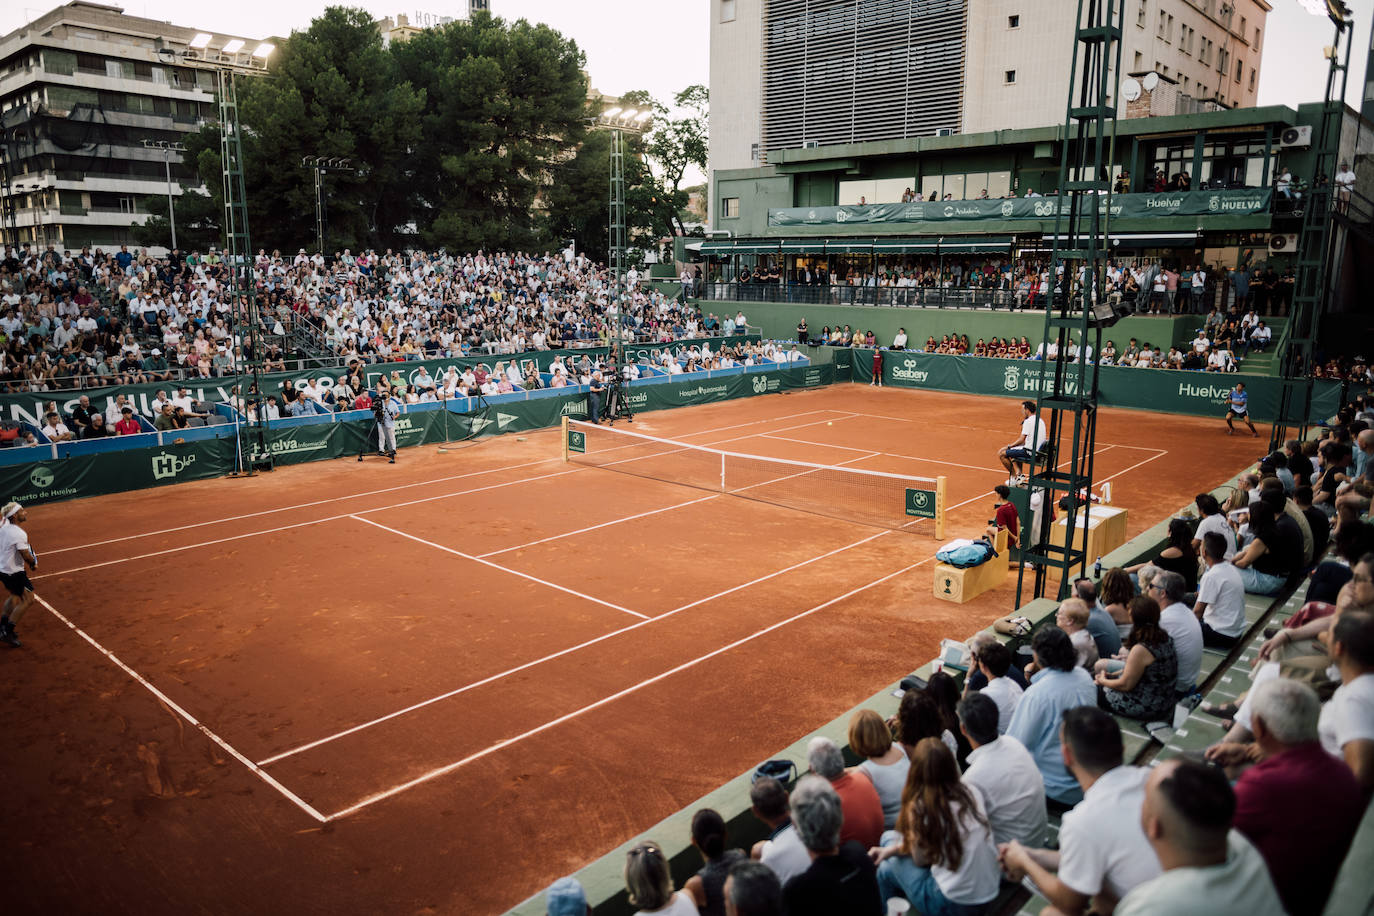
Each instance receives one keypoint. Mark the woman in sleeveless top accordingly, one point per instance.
(707, 886)
(1144, 688)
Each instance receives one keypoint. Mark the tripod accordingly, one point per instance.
(377, 430)
(617, 401)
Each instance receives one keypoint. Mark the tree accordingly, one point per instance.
(504, 103)
(677, 143)
(198, 222)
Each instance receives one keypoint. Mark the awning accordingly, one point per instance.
(990, 245)
(755, 248)
(906, 246)
(714, 247)
(1144, 240)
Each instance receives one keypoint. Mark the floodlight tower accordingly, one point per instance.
(168, 147)
(618, 122)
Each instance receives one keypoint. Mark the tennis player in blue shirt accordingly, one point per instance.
(1237, 408)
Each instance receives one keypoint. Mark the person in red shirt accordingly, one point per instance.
(363, 401)
(1004, 515)
(859, 801)
(127, 425)
(877, 368)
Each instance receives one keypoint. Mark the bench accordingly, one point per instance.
(963, 585)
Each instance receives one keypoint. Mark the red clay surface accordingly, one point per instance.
(447, 734)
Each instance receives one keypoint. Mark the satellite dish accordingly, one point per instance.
(1130, 90)
(1150, 81)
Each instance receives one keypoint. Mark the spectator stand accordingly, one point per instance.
(603, 878)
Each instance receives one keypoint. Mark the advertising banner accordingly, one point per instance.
(115, 472)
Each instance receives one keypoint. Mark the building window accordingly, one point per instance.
(1240, 69)
(1252, 79)
(753, 152)
(727, 10)
(1163, 24)
(1257, 38)
(1243, 28)
(1139, 62)
(729, 208)
(1140, 14)
(1009, 77)
(1013, 22)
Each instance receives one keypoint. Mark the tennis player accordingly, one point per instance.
(1238, 408)
(15, 554)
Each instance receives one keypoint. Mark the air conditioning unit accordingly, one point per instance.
(1283, 243)
(811, 144)
(944, 131)
(1296, 136)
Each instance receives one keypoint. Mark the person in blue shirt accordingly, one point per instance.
(1059, 685)
(1237, 408)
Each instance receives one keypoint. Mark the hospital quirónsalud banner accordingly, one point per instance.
(1164, 390)
(1237, 202)
(347, 435)
(28, 407)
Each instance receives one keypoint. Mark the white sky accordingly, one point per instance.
(662, 45)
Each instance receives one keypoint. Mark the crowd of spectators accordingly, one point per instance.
(952, 796)
(93, 318)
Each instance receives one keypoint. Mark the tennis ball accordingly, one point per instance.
(829, 423)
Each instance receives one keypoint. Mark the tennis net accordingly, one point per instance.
(876, 498)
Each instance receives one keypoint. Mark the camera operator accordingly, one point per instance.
(385, 410)
(596, 393)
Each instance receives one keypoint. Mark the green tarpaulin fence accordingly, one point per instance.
(115, 472)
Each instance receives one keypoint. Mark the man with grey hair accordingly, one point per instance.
(1293, 783)
(841, 879)
(863, 809)
(1182, 625)
(751, 889)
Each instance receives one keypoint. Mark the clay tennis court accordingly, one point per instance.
(435, 686)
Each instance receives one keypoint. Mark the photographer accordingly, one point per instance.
(385, 410)
(596, 394)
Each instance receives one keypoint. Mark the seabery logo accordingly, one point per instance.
(907, 371)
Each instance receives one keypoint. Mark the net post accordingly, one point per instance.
(940, 508)
(722, 472)
(564, 427)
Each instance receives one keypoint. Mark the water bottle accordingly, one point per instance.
(1097, 569)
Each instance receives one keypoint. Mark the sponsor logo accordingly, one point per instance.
(908, 371)
(841, 216)
(575, 409)
(920, 503)
(1163, 203)
(760, 384)
(1214, 203)
(165, 465)
(42, 477)
(577, 442)
(1011, 378)
(637, 399)
(949, 211)
(1044, 208)
(1008, 208)
(812, 377)
(686, 394)
(505, 419)
(810, 214)
(1207, 392)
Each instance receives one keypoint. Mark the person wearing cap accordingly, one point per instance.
(15, 555)
(155, 366)
(565, 897)
(128, 424)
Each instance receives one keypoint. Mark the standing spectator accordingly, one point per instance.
(650, 883)
(1102, 852)
(1004, 772)
(1207, 867)
(863, 810)
(941, 856)
(1058, 686)
(707, 886)
(783, 851)
(1221, 597)
(841, 878)
(885, 763)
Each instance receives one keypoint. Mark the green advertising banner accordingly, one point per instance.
(1237, 202)
(115, 472)
(28, 407)
(1166, 390)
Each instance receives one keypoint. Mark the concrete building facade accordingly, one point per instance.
(81, 88)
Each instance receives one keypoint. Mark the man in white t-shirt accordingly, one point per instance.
(1220, 597)
(1103, 852)
(1005, 772)
(783, 851)
(1182, 625)
(1346, 726)
(15, 555)
(1033, 439)
(55, 429)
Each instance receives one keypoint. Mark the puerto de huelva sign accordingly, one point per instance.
(1237, 202)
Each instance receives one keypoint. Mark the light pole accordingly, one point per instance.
(168, 147)
(618, 122)
(321, 165)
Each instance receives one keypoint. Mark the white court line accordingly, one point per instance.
(561, 652)
(450, 767)
(614, 521)
(315, 521)
(505, 569)
(1132, 467)
(985, 429)
(850, 448)
(175, 707)
(496, 470)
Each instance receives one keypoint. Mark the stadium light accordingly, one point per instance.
(1335, 10)
(264, 50)
(201, 40)
(234, 46)
(628, 114)
(611, 112)
(643, 116)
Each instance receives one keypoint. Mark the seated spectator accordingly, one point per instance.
(1299, 805)
(1183, 628)
(918, 716)
(1072, 618)
(1141, 686)
(1059, 685)
(783, 851)
(993, 661)
(943, 689)
(1117, 592)
(1221, 597)
(1103, 852)
(96, 428)
(977, 679)
(752, 889)
(841, 877)
(1207, 867)
(128, 424)
(55, 429)
(1005, 774)
(1274, 554)
(1116, 586)
(885, 763)
(566, 897)
(707, 886)
(650, 883)
(1213, 519)
(1346, 725)
(1178, 555)
(1317, 522)
(863, 810)
(941, 856)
